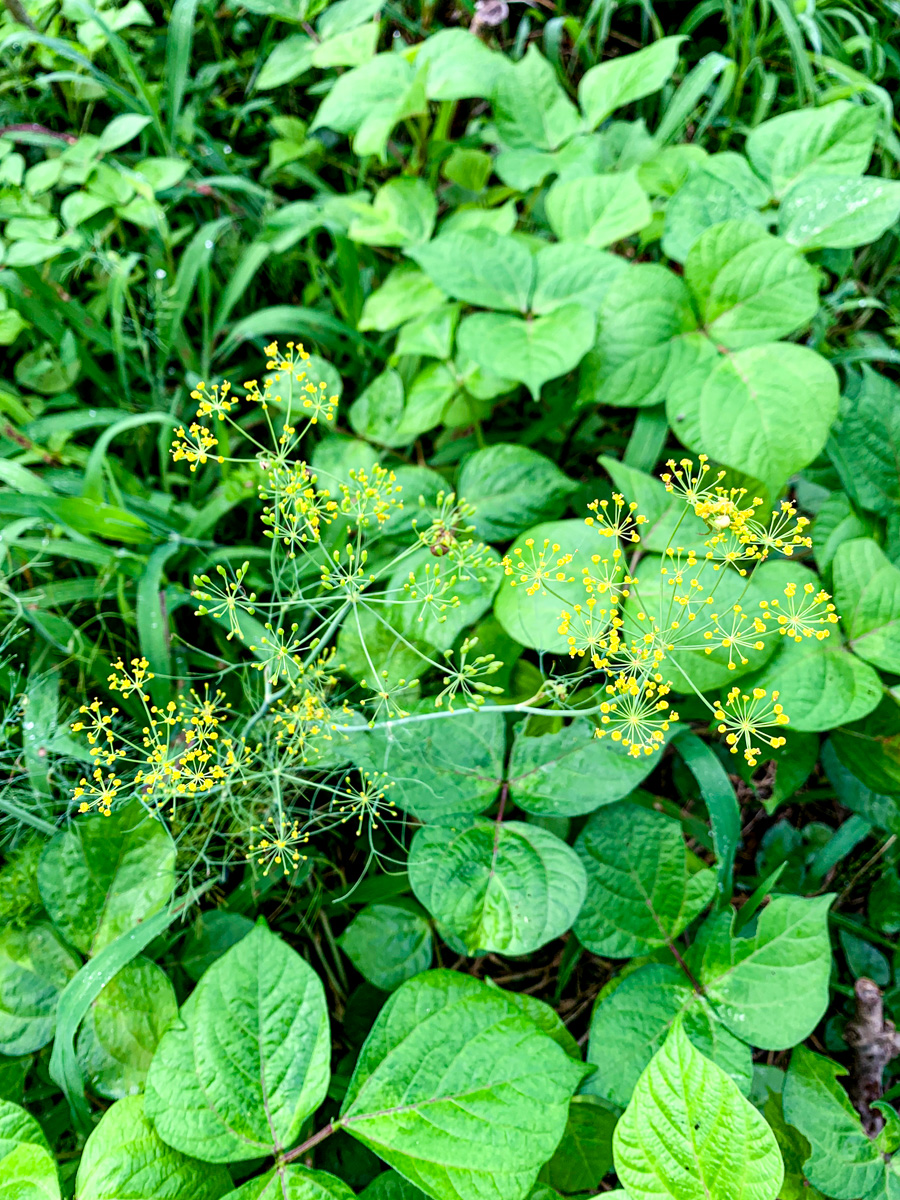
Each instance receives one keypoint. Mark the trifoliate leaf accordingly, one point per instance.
(867, 595)
(620, 81)
(293, 1182)
(248, 1061)
(640, 893)
(34, 968)
(836, 139)
(388, 943)
(840, 213)
(598, 209)
(532, 350)
(688, 1132)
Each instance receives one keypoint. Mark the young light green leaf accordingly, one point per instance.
(720, 188)
(631, 1022)
(620, 81)
(34, 968)
(584, 1155)
(388, 943)
(749, 287)
(369, 100)
(249, 1059)
(867, 595)
(406, 293)
(480, 267)
(570, 272)
(293, 1182)
(531, 110)
(459, 66)
(840, 213)
(640, 892)
(103, 874)
(27, 1167)
(507, 888)
(771, 988)
(492, 1106)
(125, 1159)
(836, 139)
(844, 1162)
(531, 351)
(123, 1028)
(765, 410)
(688, 1132)
(511, 487)
(598, 209)
(402, 213)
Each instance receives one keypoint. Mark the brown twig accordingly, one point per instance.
(874, 1042)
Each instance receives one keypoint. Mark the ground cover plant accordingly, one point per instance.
(449, 481)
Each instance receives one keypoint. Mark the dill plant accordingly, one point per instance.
(262, 780)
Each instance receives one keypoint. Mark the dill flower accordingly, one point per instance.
(744, 718)
(620, 521)
(214, 401)
(278, 845)
(683, 481)
(370, 496)
(225, 600)
(126, 681)
(542, 566)
(638, 715)
(367, 802)
(738, 632)
(279, 655)
(194, 446)
(802, 616)
(97, 792)
(468, 677)
(585, 633)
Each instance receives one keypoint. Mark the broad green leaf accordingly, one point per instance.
(34, 968)
(391, 1186)
(870, 747)
(765, 410)
(867, 595)
(836, 139)
(646, 339)
(105, 873)
(688, 1132)
(430, 335)
(531, 110)
(640, 892)
(121, 130)
(844, 1163)
(570, 772)
(524, 168)
(125, 1159)
(631, 1022)
(248, 1061)
(598, 209)
(402, 213)
(866, 445)
(835, 522)
(721, 188)
(470, 169)
(833, 211)
(458, 66)
(440, 767)
(584, 1155)
(749, 287)
(534, 620)
(568, 272)
(480, 267)
(406, 293)
(620, 81)
(351, 48)
(511, 487)
(123, 1027)
(290, 58)
(771, 988)
(880, 810)
(506, 888)
(369, 100)
(27, 1167)
(488, 1112)
(820, 684)
(531, 350)
(293, 1182)
(388, 943)
(665, 172)
(377, 410)
(210, 935)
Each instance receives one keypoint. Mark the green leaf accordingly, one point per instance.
(34, 968)
(771, 988)
(584, 1155)
(511, 487)
(688, 1132)
(867, 595)
(765, 410)
(820, 684)
(835, 522)
(480, 267)
(620, 81)
(388, 943)
(440, 767)
(459, 66)
(406, 293)
(568, 272)
(369, 100)
(640, 894)
(125, 1159)
(534, 620)
(832, 211)
(402, 213)
(104, 874)
(631, 1022)
(598, 209)
(121, 130)
(721, 188)
(290, 59)
(646, 339)
(123, 1028)
(431, 334)
(377, 410)
(836, 139)
(870, 748)
(531, 110)
(532, 350)
(27, 1167)
(570, 772)
(488, 1112)
(749, 287)
(210, 935)
(249, 1059)
(844, 1163)
(867, 444)
(391, 1186)
(506, 887)
(293, 1182)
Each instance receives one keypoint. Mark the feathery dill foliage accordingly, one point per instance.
(264, 780)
